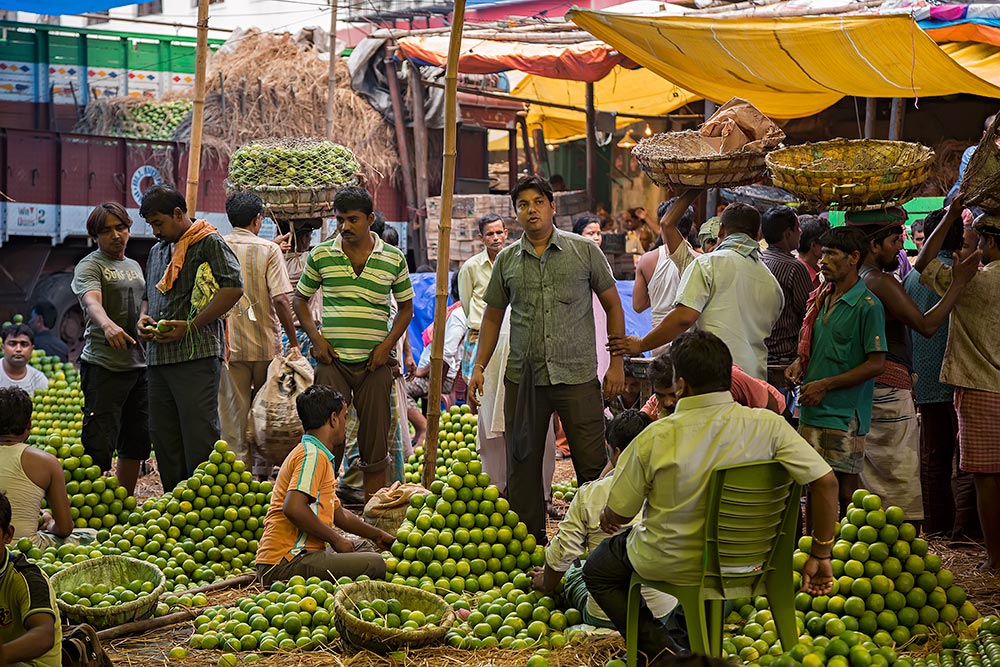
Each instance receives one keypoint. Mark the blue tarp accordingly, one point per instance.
(636, 324)
(60, 7)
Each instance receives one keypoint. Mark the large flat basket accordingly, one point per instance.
(683, 159)
(852, 173)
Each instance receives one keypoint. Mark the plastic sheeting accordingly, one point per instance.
(636, 324)
(639, 92)
(788, 67)
(59, 7)
(587, 61)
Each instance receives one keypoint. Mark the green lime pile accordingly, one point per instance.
(303, 163)
(204, 530)
(289, 616)
(102, 596)
(513, 617)
(460, 537)
(391, 614)
(974, 647)
(564, 490)
(156, 120)
(886, 581)
(456, 443)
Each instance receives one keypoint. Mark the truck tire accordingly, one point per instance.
(56, 288)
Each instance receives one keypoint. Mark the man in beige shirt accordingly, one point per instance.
(254, 339)
(473, 278)
(972, 363)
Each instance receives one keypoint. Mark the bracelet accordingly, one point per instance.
(821, 557)
(820, 542)
(475, 366)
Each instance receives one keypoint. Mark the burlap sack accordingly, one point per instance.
(387, 508)
(274, 419)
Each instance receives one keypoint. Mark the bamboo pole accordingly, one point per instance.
(331, 85)
(444, 242)
(198, 109)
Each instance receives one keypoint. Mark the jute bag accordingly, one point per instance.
(274, 418)
(387, 508)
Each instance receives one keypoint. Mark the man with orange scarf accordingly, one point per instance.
(841, 350)
(184, 348)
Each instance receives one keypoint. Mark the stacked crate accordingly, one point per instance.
(467, 209)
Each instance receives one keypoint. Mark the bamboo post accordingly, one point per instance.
(421, 143)
(591, 148)
(444, 242)
(898, 112)
(198, 109)
(403, 148)
(331, 85)
(870, 111)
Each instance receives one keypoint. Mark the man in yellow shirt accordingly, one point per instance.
(667, 470)
(30, 629)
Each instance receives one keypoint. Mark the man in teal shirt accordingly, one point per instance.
(841, 351)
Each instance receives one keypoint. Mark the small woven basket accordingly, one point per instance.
(684, 159)
(362, 634)
(852, 173)
(113, 571)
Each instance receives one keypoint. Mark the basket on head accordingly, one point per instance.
(686, 159)
(981, 180)
(113, 571)
(363, 634)
(852, 173)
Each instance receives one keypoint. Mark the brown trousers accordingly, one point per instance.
(238, 385)
(369, 392)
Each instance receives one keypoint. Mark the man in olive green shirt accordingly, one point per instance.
(666, 472)
(548, 280)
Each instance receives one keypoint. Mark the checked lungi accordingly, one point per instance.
(978, 416)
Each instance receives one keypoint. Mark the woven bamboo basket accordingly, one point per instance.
(684, 159)
(852, 173)
(289, 202)
(113, 571)
(362, 634)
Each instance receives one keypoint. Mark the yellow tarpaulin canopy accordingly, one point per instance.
(793, 67)
(638, 92)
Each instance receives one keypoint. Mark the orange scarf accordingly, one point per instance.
(199, 230)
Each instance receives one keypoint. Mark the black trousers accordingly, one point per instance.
(949, 493)
(183, 416)
(115, 414)
(607, 573)
(581, 410)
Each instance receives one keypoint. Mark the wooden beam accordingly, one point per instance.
(870, 110)
(405, 166)
(441, 283)
(896, 118)
(331, 78)
(591, 112)
(198, 109)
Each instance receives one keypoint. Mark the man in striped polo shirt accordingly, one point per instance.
(355, 273)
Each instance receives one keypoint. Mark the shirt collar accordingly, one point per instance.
(241, 230)
(853, 295)
(742, 244)
(7, 559)
(316, 442)
(711, 399)
(338, 244)
(774, 250)
(525, 244)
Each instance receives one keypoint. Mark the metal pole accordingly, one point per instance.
(870, 110)
(198, 109)
(331, 85)
(444, 243)
(591, 148)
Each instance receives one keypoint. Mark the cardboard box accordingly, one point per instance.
(571, 202)
(564, 222)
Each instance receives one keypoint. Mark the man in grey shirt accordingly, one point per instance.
(110, 287)
(548, 279)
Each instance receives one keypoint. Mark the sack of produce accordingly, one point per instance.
(387, 508)
(981, 180)
(275, 420)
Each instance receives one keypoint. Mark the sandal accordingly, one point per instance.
(553, 512)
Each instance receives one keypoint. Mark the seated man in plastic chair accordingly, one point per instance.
(667, 469)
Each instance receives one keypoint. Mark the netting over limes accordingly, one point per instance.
(303, 163)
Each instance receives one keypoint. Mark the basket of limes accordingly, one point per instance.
(384, 617)
(108, 591)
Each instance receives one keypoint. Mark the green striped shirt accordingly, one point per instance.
(355, 307)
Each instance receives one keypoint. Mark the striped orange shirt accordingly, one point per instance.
(254, 334)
